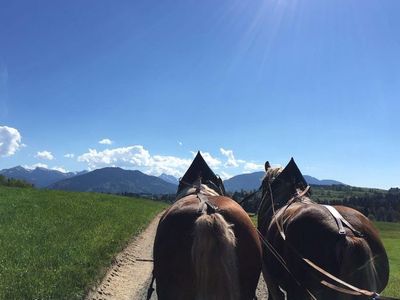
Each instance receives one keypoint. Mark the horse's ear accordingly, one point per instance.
(267, 166)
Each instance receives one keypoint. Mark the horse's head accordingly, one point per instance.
(278, 187)
(270, 175)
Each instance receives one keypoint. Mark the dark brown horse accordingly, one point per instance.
(206, 246)
(339, 240)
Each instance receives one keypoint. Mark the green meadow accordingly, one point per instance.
(390, 234)
(55, 245)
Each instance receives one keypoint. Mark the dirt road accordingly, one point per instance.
(129, 277)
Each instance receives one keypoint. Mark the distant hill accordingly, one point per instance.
(40, 177)
(116, 180)
(314, 181)
(252, 181)
(169, 178)
(247, 182)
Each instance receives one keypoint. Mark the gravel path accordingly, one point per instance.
(129, 277)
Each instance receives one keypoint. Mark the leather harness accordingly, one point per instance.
(338, 285)
(340, 221)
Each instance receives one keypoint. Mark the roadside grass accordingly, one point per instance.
(55, 245)
(390, 235)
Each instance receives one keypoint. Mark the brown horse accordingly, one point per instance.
(206, 246)
(307, 236)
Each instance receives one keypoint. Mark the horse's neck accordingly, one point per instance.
(269, 209)
(265, 212)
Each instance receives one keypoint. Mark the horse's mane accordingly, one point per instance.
(201, 188)
(272, 173)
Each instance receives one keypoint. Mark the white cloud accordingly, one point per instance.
(60, 169)
(45, 166)
(231, 162)
(69, 155)
(252, 167)
(106, 142)
(138, 157)
(132, 155)
(135, 157)
(224, 175)
(34, 166)
(10, 141)
(180, 143)
(171, 165)
(44, 155)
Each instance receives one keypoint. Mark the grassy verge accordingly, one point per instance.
(54, 244)
(390, 234)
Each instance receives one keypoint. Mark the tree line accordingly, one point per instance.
(377, 205)
(11, 182)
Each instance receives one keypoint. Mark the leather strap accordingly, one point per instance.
(340, 221)
(338, 218)
(150, 290)
(349, 289)
(290, 202)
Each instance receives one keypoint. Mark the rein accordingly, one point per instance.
(290, 202)
(338, 285)
(150, 290)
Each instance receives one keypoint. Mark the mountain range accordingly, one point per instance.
(169, 178)
(252, 181)
(40, 177)
(246, 182)
(117, 180)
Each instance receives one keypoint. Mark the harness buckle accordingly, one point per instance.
(375, 296)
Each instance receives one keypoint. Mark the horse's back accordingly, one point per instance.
(172, 259)
(249, 253)
(307, 235)
(173, 266)
(312, 233)
(370, 241)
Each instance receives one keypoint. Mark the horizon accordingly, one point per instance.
(144, 85)
(78, 173)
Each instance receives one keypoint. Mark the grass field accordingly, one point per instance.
(54, 245)
(390, 234)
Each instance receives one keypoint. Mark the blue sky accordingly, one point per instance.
(242, 81)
